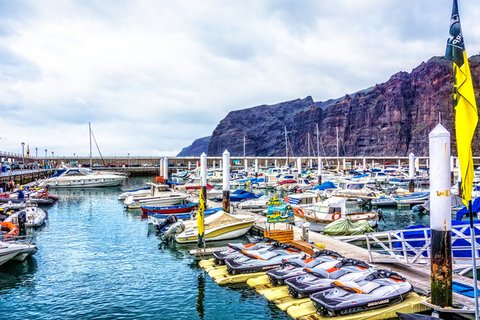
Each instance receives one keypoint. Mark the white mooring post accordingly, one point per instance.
(299, 167)
(440, 217)
(165, 168)
(411, 172)
(226, 181)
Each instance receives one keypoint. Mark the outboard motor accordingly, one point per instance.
(22, 220)
(174, 229)
(165, 223)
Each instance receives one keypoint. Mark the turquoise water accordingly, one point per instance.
(96, 260)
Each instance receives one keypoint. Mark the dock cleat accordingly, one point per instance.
(321, 276)
(379, 289)
(295, 267)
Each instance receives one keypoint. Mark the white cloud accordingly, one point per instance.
(154, 75)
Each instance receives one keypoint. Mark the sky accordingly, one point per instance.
(152, 76)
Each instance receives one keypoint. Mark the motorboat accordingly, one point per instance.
(295, 267)
(413, 198)
(314, 278)
(140, 192)
(34, 216)
(181, 208)
(262, 260)
(83, 178)
(379, 289)
(157, 218)
(165, 199)
(15, 251)
(303, 199)
(242, 195)
(322, 213)
(218, 226)
(254, 205)
(384, 201)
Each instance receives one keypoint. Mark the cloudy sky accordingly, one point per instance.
(151, 76)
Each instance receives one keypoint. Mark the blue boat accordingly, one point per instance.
(240, 195)
(184, 216)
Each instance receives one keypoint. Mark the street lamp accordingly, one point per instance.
(23, 159)
(36, 153)
(128, 160)
(45, 161)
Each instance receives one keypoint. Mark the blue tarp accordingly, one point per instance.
(324, 186)
(464, 211)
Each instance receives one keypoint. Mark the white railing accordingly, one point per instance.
(413, 245)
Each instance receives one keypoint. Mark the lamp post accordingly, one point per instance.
(53, 163)
(128, 159)
(45, 162)
(36, 153)
(23, 161)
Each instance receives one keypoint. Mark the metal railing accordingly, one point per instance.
(412, 246)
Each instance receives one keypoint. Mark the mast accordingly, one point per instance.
(244, 143)
(286, 146)
(338, 151)
(318, 142)
(308, 144)
(90, 136)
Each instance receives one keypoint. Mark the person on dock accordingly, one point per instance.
(11, 185)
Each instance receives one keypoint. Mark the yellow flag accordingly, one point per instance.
(466, 116)
(200, 217)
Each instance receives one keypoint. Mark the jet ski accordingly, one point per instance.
(295, 267)
(380, 289)
(261, 260)
(235, 249)
(313, 279)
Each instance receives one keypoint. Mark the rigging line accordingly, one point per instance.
(95, 140)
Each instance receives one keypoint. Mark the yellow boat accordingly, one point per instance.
(219, 226)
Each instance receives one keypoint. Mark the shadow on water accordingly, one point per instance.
(201, 296)
(14, 274)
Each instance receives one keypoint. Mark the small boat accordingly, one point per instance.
(15, 251)
(181, 208)
(321, 276)
(302, 199)
(346, 227)
(34, 217)
(384, 201)
(413, 198)
(219, 226)
(235, 249)
(379, 289)
(322, 213)
(242, 195)
(164, 199)
(142, 191)
(157, 218)
(254, 205)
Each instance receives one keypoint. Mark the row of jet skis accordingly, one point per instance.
(335, 284)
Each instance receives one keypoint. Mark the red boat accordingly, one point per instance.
(182, 208)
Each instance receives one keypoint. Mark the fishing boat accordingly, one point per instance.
(218, 226)
(82, 178)
(322, 213)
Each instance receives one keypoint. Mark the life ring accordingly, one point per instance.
(299, 212)
(12, 230)
(336, 215)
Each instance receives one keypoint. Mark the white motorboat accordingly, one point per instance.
(35, 217)
(322, 213)
(254, 205)
(83, 178)
(15, 251)
(303, 199)
(218, 226)
(163, 199)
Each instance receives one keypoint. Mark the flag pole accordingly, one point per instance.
(474, 258)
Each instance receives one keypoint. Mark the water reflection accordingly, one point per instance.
(200, 296)
(14, 274)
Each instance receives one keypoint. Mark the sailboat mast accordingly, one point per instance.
(90, 136)
(286, 146)
(338, 152)
(244, 143)
(308, 144)
(318, 142)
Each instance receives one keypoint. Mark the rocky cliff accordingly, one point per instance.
(393, 118)
(196, 148)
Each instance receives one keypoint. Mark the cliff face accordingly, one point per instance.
(390, 119)
(196, 148)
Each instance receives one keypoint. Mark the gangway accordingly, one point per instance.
(412, 246)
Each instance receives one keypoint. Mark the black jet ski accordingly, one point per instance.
(312, 281)
(295, 267)
(382, 288)
(235, 249)
(261, 260)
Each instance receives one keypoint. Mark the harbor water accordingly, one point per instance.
(96, 260)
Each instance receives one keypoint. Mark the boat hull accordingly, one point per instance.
(221, 233)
